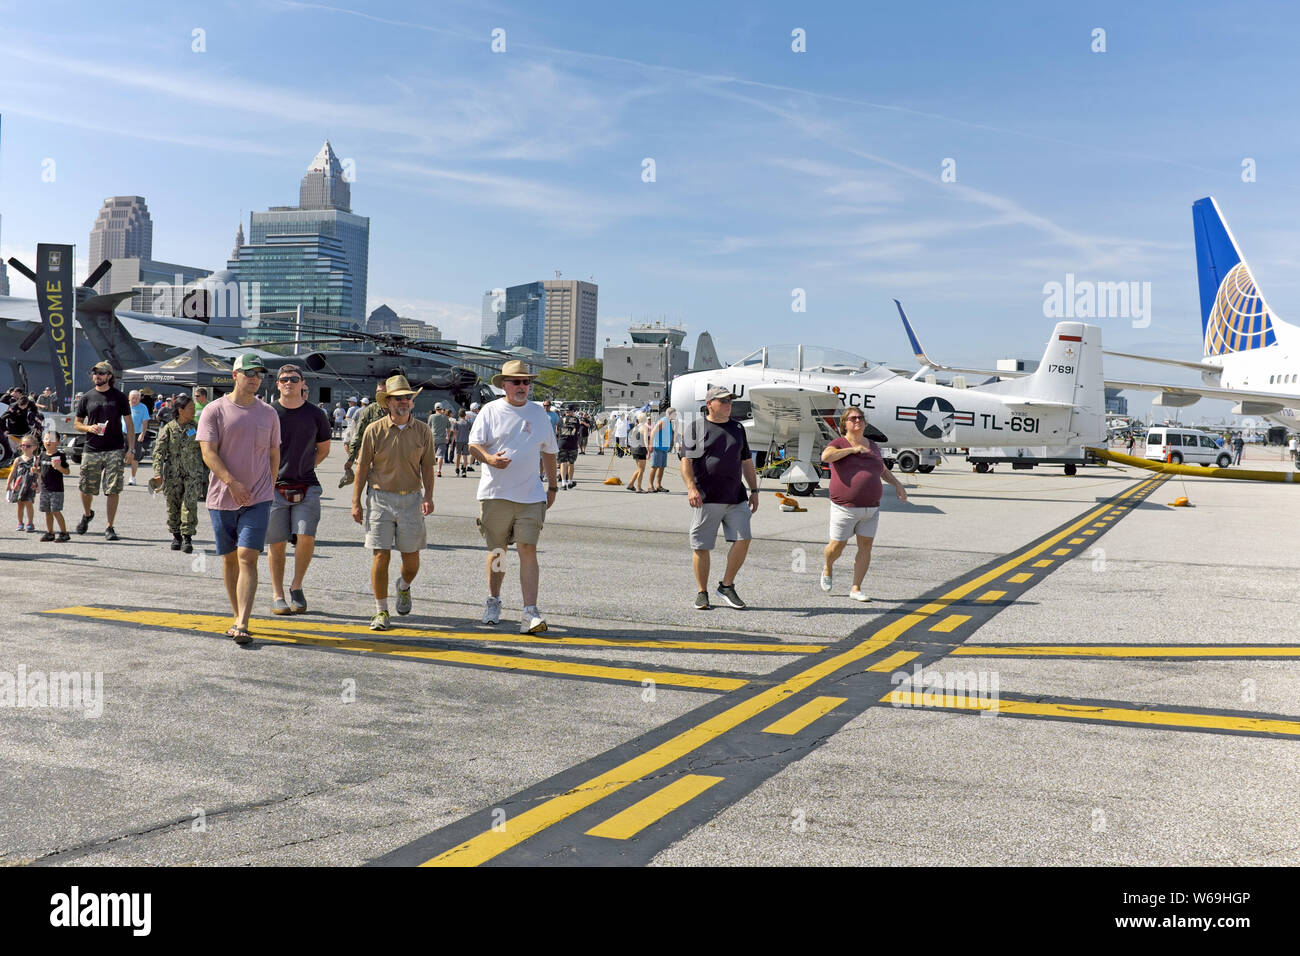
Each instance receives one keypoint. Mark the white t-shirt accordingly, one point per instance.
(620, 426)
(521, 434)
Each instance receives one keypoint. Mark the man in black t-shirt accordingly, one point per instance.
(101, 414)
(567, 436)
(715, 456)
(295, 510)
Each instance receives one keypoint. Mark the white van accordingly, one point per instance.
(1186, 446)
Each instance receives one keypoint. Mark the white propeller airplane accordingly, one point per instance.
(797, 393)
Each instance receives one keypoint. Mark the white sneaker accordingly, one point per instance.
(531, 622)
(826, 582)
(492, 611)
(857, 595)
(131, 480)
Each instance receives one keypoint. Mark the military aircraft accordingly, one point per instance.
(795, 394)
(117, 335)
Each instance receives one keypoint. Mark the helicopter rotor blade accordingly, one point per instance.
(98, 274)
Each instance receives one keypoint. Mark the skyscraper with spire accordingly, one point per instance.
(324, 212)
(123, 230)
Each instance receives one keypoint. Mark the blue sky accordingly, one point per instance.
(774, 170)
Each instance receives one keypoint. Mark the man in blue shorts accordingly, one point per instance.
(240, 437)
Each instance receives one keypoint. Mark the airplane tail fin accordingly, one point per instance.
(1234, 315)
(1068, 378)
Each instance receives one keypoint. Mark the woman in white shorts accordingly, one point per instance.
(857, 470)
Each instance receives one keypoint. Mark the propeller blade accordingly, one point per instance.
(32, 337)
(22, 268)
(98, 274)
(103, 303)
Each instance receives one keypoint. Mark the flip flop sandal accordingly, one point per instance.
(241, 635)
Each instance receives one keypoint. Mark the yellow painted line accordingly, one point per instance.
(991, 595)
(535, 665)
(1045, 563)
(894, 661)
(1120, 651)
(641, 814)
(1075, 541)
(951, 623)
(797, 720)
(1060, 551)
(1129, 715)
(1089, 531)
(1020, 578)
(491, 843)
(209, 622)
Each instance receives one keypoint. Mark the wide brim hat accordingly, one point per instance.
(397, 386)
(512, 369)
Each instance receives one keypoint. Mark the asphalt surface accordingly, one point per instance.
(647, 721)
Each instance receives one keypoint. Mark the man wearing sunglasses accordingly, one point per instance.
(512, 437)
(101, 415)
(295, 508)
(240, 438)
(715, 457)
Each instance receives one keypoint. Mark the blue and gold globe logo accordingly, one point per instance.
(1239, 320)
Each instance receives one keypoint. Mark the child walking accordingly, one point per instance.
(22, 482)
(54, 465)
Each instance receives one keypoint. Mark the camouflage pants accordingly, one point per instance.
(183, 494)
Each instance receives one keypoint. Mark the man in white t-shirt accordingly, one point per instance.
(512, 436)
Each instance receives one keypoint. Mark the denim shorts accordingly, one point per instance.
(659, 458)
(242, 528)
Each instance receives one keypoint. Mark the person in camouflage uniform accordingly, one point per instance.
(372, 413)
(180, 472)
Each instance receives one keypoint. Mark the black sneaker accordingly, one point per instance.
(84, 523)
(702, 601)
(110, 534)
(176, 542)
(48, 536)
(63, 536)
(728, 593)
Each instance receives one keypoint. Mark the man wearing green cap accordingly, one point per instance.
(240, 438)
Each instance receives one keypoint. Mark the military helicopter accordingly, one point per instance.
(439, 368)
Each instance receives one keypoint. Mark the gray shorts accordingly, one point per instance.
(51, 502)
(287, 520)
(706, 518)
(846, 522)
(394, 522)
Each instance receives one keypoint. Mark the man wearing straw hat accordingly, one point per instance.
(512, 437)
(396, 458)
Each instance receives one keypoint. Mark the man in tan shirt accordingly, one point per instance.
(395, 460)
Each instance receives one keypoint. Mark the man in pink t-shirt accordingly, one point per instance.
(240, 438)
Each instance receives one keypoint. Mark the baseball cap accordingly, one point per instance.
(102, 367)
(249, 362)
(719, 391)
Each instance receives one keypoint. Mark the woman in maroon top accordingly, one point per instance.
(856, 473)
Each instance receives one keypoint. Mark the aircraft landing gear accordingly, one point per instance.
(1070, 469)
(981, 467)
(801, 489)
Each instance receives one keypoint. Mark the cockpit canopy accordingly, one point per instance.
(806, 358)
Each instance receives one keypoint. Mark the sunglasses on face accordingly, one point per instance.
(516, 381)
(291, 378)
(254, 373)
(98, 373)
(724, 401)
(855, 418)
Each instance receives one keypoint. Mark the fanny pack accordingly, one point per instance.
(291, 491)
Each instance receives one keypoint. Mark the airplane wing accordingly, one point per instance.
(1177, 363)
(785, 410)
(1178, 396)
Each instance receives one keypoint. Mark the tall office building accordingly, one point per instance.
(324, 210)
(570, 320)
(494, 301)
(123, 230)
(520, 321)
(4, 275)
(287, 271)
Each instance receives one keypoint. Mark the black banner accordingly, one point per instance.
(57, 294)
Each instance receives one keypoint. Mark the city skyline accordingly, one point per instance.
(699, 164)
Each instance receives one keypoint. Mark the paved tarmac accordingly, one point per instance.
(1127, 688)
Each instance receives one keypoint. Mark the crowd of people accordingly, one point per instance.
(253, 464)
